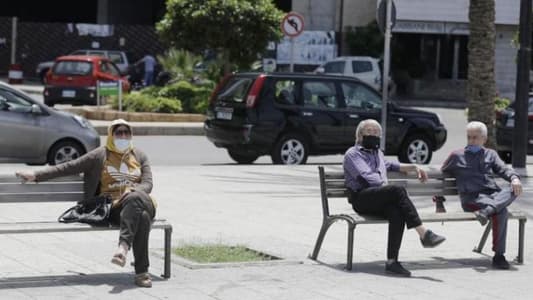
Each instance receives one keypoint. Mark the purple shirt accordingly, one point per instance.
(366, 168)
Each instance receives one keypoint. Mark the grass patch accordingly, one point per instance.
(218, 253)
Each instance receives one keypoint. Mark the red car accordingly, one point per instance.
(73, 79)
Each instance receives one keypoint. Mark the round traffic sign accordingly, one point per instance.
(292, 24)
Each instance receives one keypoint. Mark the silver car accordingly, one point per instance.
(33, 133)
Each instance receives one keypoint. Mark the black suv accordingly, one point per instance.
(290, 116)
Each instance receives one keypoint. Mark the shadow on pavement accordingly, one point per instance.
(481, 265)
(118, 282)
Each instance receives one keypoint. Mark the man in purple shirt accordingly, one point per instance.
(365, 172)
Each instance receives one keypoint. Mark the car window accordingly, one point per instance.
(235, 90)
(359, 96)
(71, 67)
(361, 66)
(97, 53)
(13, 102)
(109, 68)
(285, 92)
(334, 67)
(116, 57)
(319, 94)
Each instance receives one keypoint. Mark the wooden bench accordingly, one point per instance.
(61, 189)
(332, 186)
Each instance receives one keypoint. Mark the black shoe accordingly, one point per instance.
(396, 268)
(481, 217)
(431, 239)
(499, 262)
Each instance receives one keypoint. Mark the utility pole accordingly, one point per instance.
(385, 75)
(520, 139)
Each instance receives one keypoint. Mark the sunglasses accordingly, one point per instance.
(122, 132)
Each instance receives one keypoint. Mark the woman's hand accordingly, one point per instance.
(516, 185)
(26, 176)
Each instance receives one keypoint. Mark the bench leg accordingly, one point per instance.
(320, 239)
(521, 232)
(349, 258)
(168, 245)
(484, 237)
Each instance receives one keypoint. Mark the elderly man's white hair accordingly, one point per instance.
(362, 125)
(476, 125)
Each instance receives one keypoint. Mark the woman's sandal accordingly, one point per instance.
(119, 259)
(143, 280)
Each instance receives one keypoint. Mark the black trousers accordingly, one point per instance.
(392, 203)
(135, 216)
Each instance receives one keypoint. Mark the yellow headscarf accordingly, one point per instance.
(110, 144)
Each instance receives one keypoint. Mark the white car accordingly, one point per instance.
(364, 68)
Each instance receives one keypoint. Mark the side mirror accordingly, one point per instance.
(36, 110)
(320, 70)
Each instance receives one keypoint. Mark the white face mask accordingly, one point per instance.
(122, 144)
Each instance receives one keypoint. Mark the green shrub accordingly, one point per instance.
(194, 99)
(151, 90)
(501, 103)
(139, 102)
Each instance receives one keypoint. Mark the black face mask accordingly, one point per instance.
(371, 142)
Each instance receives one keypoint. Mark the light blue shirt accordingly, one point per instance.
(149, 63)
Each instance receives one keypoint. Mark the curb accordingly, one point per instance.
(195, 130)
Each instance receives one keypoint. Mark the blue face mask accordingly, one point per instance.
(473, 148)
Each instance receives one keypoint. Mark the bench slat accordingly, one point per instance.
(405, 183)
(342, 193)
(48, 227)
(40, 197)
(13, 178)
(432, 174)
(14, 188)
(432, 217)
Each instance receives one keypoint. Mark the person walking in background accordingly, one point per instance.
(149, 67)
(365, 171)
(473, 167)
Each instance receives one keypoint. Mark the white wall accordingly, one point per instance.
(505, 61)
(318, 14)
(507, 11)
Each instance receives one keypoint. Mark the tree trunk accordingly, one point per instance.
(481, 86)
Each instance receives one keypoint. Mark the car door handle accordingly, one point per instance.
(353, 116)
(307, 113)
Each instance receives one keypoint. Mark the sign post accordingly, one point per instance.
(386, 7)
(110, 88)
(292, 25)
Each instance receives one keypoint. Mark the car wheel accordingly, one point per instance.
(242, 158)
(64, 151)
(49, 103)
(291, 149)
(416, 150)
(506, 156)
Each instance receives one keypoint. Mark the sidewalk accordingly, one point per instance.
(275, 209)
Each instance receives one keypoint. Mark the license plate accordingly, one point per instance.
(68, 94)
(224, 115)
(509, 123)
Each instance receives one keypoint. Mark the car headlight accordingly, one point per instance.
(82, 121)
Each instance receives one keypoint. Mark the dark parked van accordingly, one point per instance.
(291, 116)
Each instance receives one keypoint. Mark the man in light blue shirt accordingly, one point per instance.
(149, 66)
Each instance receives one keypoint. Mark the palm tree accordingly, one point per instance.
(481, 86)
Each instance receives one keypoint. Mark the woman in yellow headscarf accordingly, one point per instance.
(121, 171)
